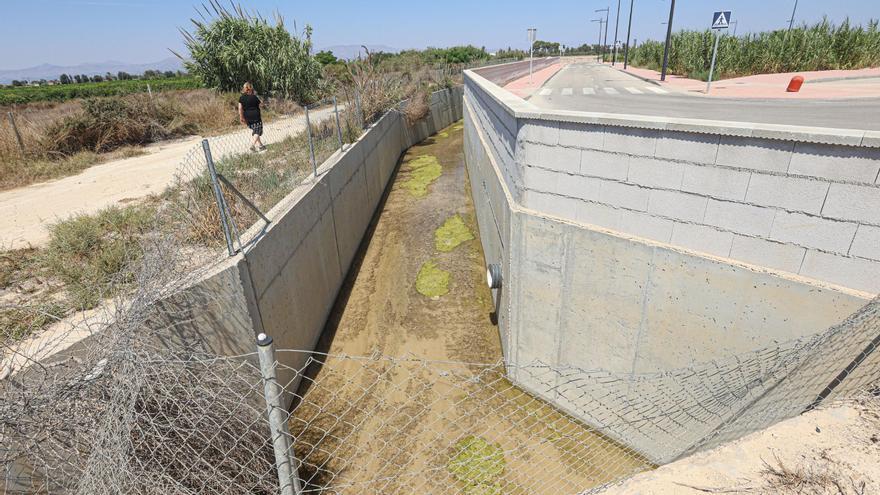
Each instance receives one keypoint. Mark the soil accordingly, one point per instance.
(833, 451)
(426, 421)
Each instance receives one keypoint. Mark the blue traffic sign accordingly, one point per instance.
(721, 20)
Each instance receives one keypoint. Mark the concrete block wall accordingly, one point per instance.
(805, 208)
(619, 271)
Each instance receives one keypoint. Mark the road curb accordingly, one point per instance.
(655, 83)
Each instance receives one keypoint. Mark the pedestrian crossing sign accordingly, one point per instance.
(721, 20)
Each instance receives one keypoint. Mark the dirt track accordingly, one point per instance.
(26, 212)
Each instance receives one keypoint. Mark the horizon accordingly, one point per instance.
(145, 34)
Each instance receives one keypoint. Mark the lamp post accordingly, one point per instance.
(607, 11)
(628, 30)
(668, 40)
(532, 36)
(793, 11)
(599, 41)
(616, 25)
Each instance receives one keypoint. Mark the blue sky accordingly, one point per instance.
(68, 32)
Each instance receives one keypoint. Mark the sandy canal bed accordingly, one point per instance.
(428, 423)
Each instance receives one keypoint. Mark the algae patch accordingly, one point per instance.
(423, 170)
(432, 281)
(451, 234)
(478, 464)
(443, 134)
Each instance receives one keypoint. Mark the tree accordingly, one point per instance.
(64, 79)
(168, 74)
(235, 47)
(151, 74)
(546, 47)
(326, 57)
(123, 76)
(97, 79)
(16, 82)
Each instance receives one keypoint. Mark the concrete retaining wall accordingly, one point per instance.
(599, 276)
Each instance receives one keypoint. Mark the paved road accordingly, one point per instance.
(595, 88)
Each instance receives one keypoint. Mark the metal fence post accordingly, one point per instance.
(288, 477)
(338, 127)
(357, 104)
(218, 195)
(311, 144)
(17, 134)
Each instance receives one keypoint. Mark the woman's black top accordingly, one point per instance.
(251, 106)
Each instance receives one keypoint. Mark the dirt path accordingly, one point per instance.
(408, 426)
(26, 212)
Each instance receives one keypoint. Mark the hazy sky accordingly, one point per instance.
(68, 32)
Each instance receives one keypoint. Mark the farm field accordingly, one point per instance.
(61, 92)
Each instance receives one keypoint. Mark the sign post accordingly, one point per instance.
(532, 36)
(720, 20)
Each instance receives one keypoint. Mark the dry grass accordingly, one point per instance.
(62, 139)
(809, 480)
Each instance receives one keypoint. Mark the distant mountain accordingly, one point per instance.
(49, 72)
(351, 52)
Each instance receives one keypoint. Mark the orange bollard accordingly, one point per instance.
(795, 84)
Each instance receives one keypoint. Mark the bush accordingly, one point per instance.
(236, 47)
(105, 124)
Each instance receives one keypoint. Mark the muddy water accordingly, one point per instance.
(405, 425)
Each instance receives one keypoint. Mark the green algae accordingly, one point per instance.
(478, 464)
(423, 170)
(451, 234)
(431, 280)
(443, 134)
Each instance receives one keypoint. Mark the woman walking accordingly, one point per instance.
(249, 115)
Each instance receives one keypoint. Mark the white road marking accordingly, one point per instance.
(634, 91)
(610, 91)
(589, 91)
(545, 91)
(566, 91)
(659, 91)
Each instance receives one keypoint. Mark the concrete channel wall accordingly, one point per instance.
(596, 277)
(286, 282)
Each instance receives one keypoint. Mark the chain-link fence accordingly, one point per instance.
(142, 419)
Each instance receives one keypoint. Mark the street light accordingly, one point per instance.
(628, 29)
(791, 21)
(734, 27)
(599, 42)
(616, 24)
(607, 11)
(532, 36)
(668, 40)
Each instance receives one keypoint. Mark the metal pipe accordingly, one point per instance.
(338, 127)
(616, 25)
(288, 478)
(668, 40)
(311, 144)
(712, 66)
(791, 21)
(218, 196)
(628, 30)
(15, 130)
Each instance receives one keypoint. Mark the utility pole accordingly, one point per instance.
(668, 40)
(607, 10)
(599, 42)
(791, 21)
(616, 25)
(628, 30)
(734, 27)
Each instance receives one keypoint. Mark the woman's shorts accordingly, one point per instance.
(257, 127)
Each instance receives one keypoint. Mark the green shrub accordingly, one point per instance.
(236, 47)
(60, 92)
(91, 254)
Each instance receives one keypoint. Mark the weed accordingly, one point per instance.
(478, 464)
(90, 254)
(451, 234)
